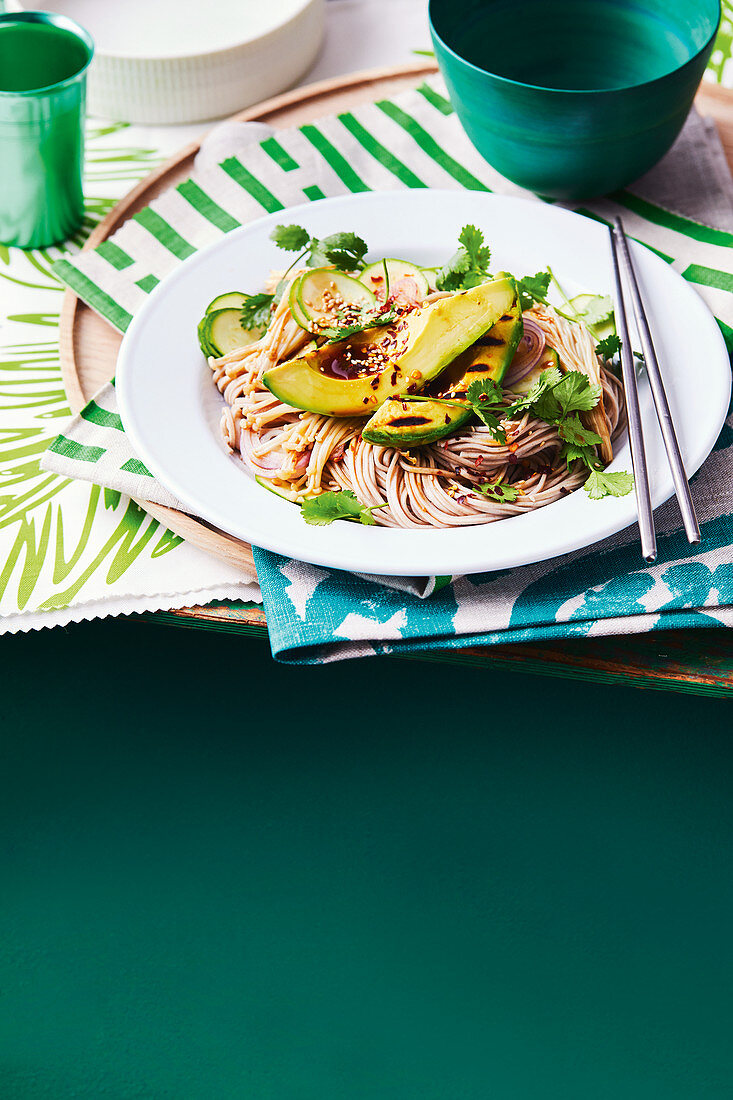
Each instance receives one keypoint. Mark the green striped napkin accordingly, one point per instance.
(413, 141)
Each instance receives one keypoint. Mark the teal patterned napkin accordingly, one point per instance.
(415, 140)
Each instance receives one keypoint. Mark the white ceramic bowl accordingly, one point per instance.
(176, 61)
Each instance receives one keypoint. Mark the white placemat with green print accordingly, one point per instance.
(70, 550)
(415, 140)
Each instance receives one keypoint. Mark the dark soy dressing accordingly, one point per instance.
(350, 362)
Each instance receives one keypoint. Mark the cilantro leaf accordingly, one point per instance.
(473, 278)
(316, 257)
(324, 509)
(584, 453)
(484, 391)
(469, 265)
(452, 274)
(292, 238)
(601, 484)
(598, 310)
(471, 238)
(608, 347)
(576, 393)
(572, 431)
(345, 251)
(255, 313)
(485, 398)
(368, 320)
(492, 422)
(478, 253)
(547, 407)
(499, 491)
(547, 379)
(533, 288)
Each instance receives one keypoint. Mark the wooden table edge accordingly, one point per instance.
(543, 659)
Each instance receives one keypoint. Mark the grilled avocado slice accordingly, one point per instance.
(428, 421)
(405, 424)
(355, 376)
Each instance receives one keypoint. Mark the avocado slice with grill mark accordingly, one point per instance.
(489, 357)
(405, 424)
(492, 353)
(345, 379)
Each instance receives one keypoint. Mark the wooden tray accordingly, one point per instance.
(89, 345)
(693, 660)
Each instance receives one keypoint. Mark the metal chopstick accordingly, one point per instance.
(666, 424)
(636, 437)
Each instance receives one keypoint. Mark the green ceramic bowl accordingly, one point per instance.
(573, 98)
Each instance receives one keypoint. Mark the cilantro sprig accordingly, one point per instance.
(558, 399)
(324, 509)
(608, 347)
(601, 484)
(611, 346)
(255, 313)
(534, 288)
(469, 265)
(485, 399)
(344, 251)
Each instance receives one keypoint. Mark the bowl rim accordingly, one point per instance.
(18, 6)
(437, 38)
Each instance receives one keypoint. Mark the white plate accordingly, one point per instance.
(171, 409)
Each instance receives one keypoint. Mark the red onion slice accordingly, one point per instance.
(405, 292)
(528, 353)
(268, 465)
(264, 465)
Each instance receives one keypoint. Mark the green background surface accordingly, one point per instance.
(222, 878)
(382, 881)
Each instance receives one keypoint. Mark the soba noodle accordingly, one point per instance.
(431, 486)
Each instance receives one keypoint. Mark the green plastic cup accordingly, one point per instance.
(43, 64)
(573, 98)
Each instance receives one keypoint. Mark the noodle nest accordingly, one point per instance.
(435, 485)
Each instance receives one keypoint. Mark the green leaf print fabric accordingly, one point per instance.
(70, 550)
